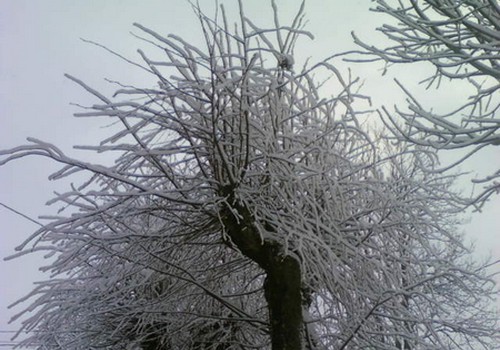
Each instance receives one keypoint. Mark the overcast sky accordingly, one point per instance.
(40, 41)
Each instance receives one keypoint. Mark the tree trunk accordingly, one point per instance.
(283, 294)
(283, 282)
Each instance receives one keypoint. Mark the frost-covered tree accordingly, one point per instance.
(461, 39)
(246, 211)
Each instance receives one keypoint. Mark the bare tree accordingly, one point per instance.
(461, 40)
(244, 211)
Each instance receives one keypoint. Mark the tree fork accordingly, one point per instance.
(283, 283)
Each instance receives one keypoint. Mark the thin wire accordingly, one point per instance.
(20, 214)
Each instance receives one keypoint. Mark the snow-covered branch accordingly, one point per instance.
(461, 40)
(250, 208)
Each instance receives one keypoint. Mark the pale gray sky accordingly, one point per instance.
(39, 42)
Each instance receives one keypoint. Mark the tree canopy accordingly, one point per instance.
(460, 39)
(250, 206)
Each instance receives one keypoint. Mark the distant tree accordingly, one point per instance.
(246, 211)
(461, 39)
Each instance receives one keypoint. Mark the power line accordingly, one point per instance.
(20, 214)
